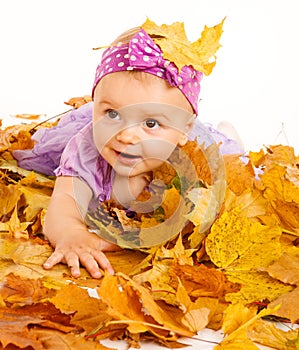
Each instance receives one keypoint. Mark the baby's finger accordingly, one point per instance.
(73, 263)
(54, 259)
(91, 265)
(103, 261)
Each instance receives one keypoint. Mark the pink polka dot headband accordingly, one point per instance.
(142, 54)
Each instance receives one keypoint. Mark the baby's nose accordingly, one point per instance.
(129, 134)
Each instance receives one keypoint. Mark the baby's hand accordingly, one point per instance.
(82, 246)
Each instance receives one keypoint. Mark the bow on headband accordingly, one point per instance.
(142, 54)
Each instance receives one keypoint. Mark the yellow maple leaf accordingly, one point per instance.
(277, 186)
(172, 39)
(283, 195)
(235, 315)
(251, 202)
(9, 196)
(255, 286)
(37, 199)
(15, 227)
(236, 243)
(268, 334)
(238, 337)
(276, 154)
(207, 202)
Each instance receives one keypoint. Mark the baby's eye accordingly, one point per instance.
(151, 123)
(113, 114)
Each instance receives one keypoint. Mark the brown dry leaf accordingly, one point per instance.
(53, 340)
(13, 339)
(43, 314)
(286, 268)
(288, 303)
(169, 229)
(11, 173)
(173, 41)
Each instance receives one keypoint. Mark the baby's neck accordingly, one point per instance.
(125, 190)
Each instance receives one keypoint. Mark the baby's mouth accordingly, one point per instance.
(127, 155)
(127, 158)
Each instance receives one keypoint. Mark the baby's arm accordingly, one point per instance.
(67, 232)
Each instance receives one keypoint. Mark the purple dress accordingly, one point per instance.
(68, 149)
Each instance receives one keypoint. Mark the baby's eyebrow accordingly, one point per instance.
(157, 115)
(109, 102)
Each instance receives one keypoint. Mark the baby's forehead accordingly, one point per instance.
(128, 88)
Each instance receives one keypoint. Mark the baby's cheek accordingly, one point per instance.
(157, 149)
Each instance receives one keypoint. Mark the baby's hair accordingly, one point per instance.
(126, 36)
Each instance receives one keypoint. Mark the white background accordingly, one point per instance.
(46, 57)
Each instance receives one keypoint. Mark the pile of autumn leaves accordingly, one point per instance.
(244, 271)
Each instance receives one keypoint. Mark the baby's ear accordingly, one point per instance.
(184, 136)
(183, 139)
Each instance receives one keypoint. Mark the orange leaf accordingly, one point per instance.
(16, 290)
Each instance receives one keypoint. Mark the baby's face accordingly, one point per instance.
(138, 120)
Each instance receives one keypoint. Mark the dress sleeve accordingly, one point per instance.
(81, 158)
(205, 134)
(49, 143)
